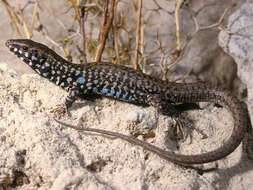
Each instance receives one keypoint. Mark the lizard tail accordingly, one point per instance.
(203, 92)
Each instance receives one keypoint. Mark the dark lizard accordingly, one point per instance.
(126, 84)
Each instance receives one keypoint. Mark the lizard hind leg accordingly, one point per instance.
(166, 108)
(162, 106)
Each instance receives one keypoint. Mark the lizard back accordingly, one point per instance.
(101, 78)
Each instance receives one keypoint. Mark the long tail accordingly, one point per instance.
(194, 93)
(203, 92)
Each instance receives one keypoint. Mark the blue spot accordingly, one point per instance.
(124, 96)
(104, 91)
(130, 98)
(112, 92)
(117, 94)
(80, 80)
(94, 90)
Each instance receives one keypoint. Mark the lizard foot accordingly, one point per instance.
(179, 123)
(60, 111)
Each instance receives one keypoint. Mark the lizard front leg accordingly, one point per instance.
(70, 99)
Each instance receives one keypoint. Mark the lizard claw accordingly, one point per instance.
(178, 130)
(60, 111)
(179, 125)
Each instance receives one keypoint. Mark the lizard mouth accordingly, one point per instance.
(22, 50)
(17, 49)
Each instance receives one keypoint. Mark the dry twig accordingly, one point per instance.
(26, 30)
(178, 5)
(12, 16)
(106, 25)
(82, 15)
(116, 40)
(137, 35)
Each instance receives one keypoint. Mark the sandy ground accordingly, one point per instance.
(49, 156)
(40, 154)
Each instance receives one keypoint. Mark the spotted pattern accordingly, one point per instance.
(132, 86)
(94, 78)
(80, 80)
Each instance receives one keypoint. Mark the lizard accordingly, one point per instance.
(132, 86)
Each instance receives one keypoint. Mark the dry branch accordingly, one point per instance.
(106, 25)
(137, 34)
(12, 16)
(178, 5)
(82, 15)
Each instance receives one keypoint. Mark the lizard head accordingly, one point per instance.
(27, 49)
(32, 53)
(44, 61)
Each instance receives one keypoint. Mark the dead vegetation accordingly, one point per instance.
(114, 24)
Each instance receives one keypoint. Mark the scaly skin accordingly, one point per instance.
(132, 86)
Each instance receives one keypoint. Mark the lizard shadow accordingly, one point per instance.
(89, 99)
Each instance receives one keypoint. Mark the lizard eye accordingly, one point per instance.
(25, 48)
